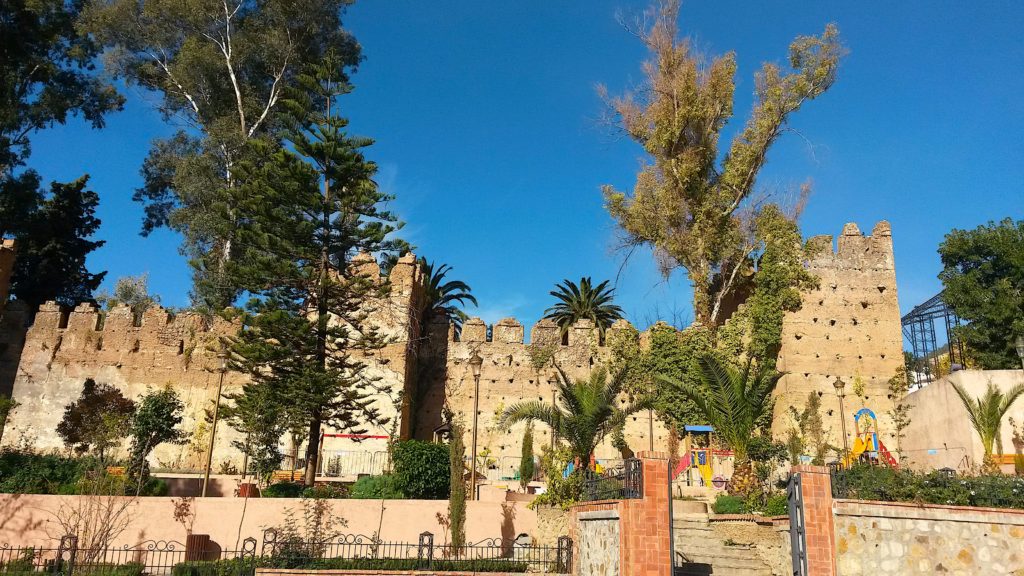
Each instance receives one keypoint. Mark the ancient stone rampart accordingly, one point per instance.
(64, 347)
(847, 328)
(513, 371)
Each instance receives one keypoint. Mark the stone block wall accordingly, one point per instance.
(511, 373)
(849, 327)
(883, 538)
(63, 348)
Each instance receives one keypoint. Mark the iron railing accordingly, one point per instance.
(622, 483)
(278, 550)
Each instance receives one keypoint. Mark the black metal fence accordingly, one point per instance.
(339, 552)
(944, 486)
(622, 483)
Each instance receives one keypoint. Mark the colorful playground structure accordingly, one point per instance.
(866, 444)
(708, 462)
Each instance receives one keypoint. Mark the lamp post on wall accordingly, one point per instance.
(840, 387)
(216, 412)
(475, 362)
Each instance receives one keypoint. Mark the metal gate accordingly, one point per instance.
(797, 535)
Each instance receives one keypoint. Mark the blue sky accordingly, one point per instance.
(485, 120)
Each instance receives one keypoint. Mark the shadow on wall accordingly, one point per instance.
(12, 342)
(432, 375)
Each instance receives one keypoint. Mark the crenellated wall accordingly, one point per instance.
(848, 328)
(63, 348)
(512, 372)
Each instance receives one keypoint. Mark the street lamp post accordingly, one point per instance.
(1020, 350)
(840, 387)
(475, 362)
(216, 412)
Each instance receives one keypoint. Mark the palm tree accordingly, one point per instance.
(586, 411)
(986, 416)
(444, 299)
(733, 401)
(583, 301)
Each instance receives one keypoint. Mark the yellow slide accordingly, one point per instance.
(705, 473)
(858, 448)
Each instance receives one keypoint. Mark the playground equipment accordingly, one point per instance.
(866, 443)
(700, 459)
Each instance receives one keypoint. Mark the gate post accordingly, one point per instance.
(69, 546)
(815, 484)
(646, 523)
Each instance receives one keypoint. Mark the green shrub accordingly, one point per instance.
(232, 567)
(155, 487)
(103, 569)
(777, 504)
(421, 470)
(396, 564)
(31, 473)
(726, 504)
(283, 490)
(864, 482)
(375, 488)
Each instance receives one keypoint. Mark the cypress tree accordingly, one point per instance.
(307, 209)
(457, 491)
(526, 462)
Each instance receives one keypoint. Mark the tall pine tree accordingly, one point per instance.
(306, 211)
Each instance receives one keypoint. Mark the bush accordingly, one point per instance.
(421, 470)
(31, 473)
(155, 487)
(232, 567)
(325, 491)
(864, 482)
(283, 490)
(776, 505)
(726, 504)
(375, 488)
(101, 569)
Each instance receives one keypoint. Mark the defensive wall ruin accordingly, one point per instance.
(848, 327)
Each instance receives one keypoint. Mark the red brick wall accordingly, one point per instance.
(645, 525)
(818, 525)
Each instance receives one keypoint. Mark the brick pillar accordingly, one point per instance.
(819, 528)
(646, 524)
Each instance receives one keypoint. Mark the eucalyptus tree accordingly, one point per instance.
(692, 205)
(221, 69)
(308, 209)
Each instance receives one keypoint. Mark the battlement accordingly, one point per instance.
(854, 250)
(543, 332)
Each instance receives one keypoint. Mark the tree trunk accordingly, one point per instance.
(312, 452)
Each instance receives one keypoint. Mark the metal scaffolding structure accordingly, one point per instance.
(919, 329)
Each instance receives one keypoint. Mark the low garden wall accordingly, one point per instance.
(32, 520)
(881, 538)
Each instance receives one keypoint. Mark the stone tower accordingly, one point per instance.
(848, 328)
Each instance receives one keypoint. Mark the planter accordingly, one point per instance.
(196, 546)
(248, 491)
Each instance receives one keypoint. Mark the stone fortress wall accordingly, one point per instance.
(512, 372)
(63, 348)
(849, 327)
